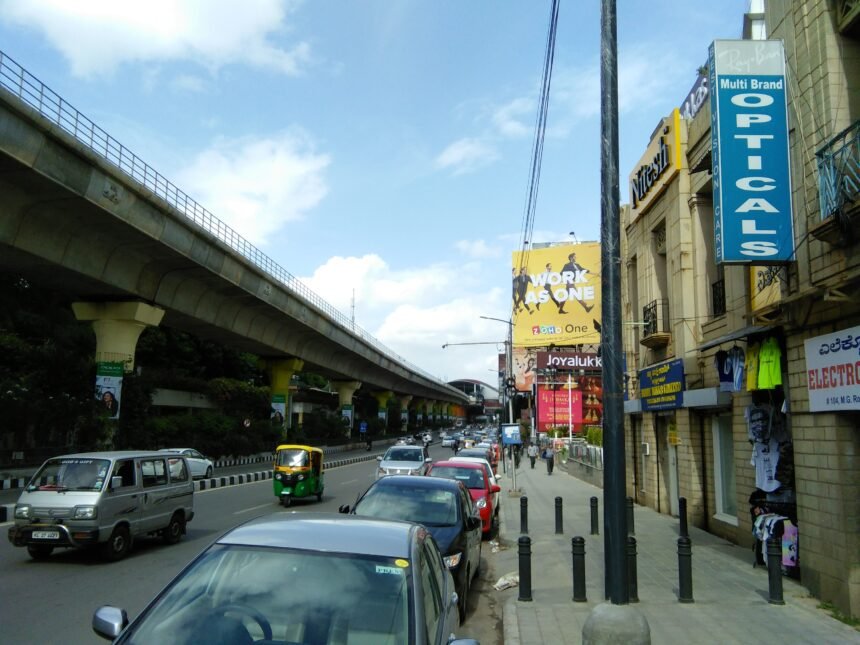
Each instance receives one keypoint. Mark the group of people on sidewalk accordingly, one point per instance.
(547, 454)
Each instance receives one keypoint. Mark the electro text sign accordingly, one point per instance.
(749, 138)
(833, 371)
(661, 387)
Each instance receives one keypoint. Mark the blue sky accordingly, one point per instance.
(379, 149)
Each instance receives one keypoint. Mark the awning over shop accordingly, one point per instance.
(737, 335)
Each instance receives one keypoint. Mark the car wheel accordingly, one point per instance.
(461, 601)
(208, 472)
(319, 496)
(286, 500)
(118, 545)
(173, 533)
(40, 551)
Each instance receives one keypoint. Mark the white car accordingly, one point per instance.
(201, 466)
(402, 460)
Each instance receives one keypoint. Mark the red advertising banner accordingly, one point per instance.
(585, 409)
(553, 409)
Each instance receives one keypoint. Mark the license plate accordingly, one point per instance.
(46, 535)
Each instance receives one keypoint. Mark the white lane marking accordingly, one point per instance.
(253, 508)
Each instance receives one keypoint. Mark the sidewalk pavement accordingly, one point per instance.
(730, 595)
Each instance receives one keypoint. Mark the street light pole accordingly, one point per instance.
(509, 357)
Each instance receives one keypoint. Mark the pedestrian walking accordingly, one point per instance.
(549, 457)
(532, 452)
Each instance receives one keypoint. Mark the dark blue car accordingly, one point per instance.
(444, 507)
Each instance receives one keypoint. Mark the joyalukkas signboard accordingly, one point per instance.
(749, 152)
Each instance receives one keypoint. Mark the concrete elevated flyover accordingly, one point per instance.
(82, 214)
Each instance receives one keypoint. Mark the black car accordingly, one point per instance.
(444, 507)
(483, 453)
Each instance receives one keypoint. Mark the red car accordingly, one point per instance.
(474, 476)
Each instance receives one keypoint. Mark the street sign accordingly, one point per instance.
(362, 427)
(511, 434)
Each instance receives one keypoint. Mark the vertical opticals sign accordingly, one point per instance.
(749, 136)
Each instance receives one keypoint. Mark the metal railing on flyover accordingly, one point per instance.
(53, 107)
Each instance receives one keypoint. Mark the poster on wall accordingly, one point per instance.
(109, 386)
(279, 410)
(346, 415)
(559, 408)
(833, 371)
(556, 295)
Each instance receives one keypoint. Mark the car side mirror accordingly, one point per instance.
(428, 460)
(108, 621)
(378, 457)
(473, 522)
(495, 488)
(344, 508)
(115, 482)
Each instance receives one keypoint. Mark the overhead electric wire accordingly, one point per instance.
(537, 147)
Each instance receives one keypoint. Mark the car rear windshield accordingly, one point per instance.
(471, 477)
(427, 506)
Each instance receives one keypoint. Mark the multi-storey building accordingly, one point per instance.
(783, 438)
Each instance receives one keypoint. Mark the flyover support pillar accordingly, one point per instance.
(117, 326)
(405, 400)
(345, 391)
(383, 398)
(281, 371)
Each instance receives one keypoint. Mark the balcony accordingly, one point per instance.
(839, 188)
(848, 16)
(718, 298)
(655, 328)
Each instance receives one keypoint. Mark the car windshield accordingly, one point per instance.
(234, 594)
(66, 474)
(471, 477)
(293, 458)
(427, 506)
(404, 454)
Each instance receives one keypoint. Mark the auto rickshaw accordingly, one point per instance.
(297, 472)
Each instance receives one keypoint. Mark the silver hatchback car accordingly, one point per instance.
(403, 460)
(294, 578)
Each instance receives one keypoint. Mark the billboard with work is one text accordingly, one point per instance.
(556, 295)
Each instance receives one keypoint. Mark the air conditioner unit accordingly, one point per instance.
(646, 449)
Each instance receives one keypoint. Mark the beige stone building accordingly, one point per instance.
(783, 440)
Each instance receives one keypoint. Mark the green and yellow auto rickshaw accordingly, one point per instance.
(297, 472)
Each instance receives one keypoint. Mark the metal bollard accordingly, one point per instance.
(577, 549)
(682, 515)
(632, 579)
(685, 569)
(774, 571)
(558, 519)
(524, 515)
(525, 553)
(631, 529)
(595, 530)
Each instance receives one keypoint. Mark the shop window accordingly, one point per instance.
(725, 489)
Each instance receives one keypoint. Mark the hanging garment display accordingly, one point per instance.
(769, 365)
(725, 371)
(737, 359)
(752, 366)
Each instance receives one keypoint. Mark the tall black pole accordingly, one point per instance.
(614, 509)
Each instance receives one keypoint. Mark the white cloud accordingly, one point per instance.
(476, 249)
(466, 155)
(188, 83)
(377, 287)
(255, 185)
(97, 36)
(512, 119)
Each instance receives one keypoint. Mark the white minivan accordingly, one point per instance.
(105, 499)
